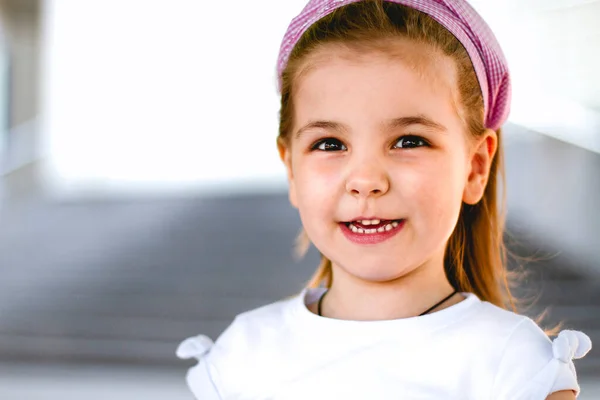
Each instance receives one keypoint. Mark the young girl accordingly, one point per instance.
(390, 134)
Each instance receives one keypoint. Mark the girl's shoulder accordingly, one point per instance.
(526, 362)
(256, 340)
(244, 332)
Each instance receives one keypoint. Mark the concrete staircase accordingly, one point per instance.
(126, 281)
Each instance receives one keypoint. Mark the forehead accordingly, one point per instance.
(392, 76)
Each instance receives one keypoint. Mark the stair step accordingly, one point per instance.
(72, 349)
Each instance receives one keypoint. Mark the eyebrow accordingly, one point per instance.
(328, 125)
(403, 122)
(395, 123)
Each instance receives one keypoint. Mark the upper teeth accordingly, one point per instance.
(369, 221)
(386, 227)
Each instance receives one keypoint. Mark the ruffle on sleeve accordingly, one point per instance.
(560, 372)
(570, 345)
(199, 378)
(195, 347)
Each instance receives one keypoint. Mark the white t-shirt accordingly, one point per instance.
(471, 350)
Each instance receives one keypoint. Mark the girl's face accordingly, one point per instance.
(379, 160)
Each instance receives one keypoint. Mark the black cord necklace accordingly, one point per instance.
(426, 312)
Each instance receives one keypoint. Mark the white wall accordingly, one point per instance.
(179, 94)
(553, 51)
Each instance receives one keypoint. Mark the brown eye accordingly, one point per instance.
(411, 142)
(329, 144)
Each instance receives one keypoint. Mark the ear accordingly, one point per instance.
(285, 154)
(480, 162)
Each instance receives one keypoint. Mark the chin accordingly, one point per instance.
(376, 274)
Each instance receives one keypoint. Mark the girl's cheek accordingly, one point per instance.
(412, 179)
(321, 169)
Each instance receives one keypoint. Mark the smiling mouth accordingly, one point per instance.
(372, 226)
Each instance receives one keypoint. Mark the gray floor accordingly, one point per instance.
(59, 382)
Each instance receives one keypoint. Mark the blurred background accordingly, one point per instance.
(142, 200)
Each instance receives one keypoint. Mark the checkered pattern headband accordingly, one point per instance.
(455, 15)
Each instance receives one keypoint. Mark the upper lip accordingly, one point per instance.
(372, 218)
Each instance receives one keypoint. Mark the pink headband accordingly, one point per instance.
(455, 15)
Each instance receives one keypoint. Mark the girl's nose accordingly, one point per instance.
(368, 180)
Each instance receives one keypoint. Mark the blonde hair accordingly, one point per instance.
(475, 259)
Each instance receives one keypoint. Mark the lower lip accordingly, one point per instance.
(370, 238)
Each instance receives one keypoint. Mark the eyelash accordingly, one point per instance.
(422, 141)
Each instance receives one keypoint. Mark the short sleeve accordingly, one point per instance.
(532, 366)
(200, 377)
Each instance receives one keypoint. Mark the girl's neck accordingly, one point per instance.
(351, 298)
